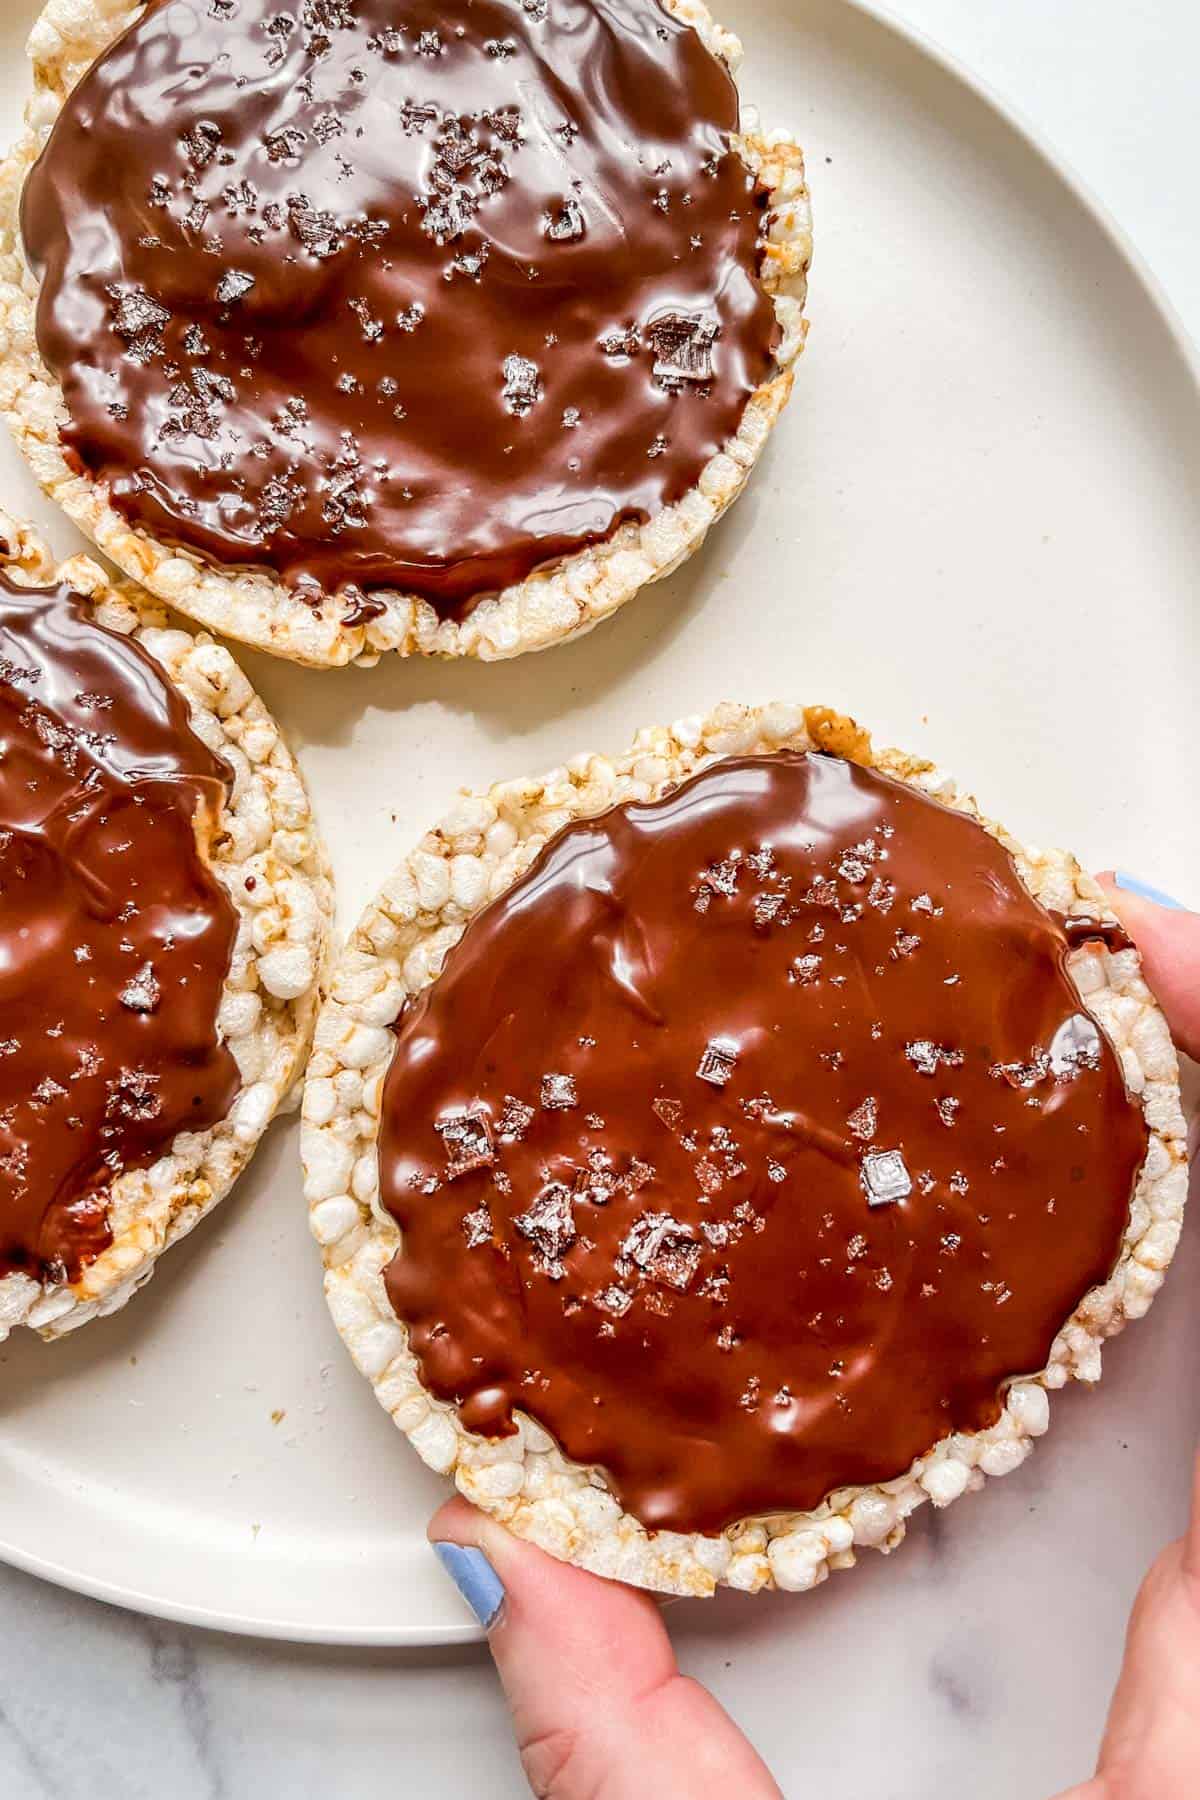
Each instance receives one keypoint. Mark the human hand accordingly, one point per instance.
(600, 1708)
(1151, 1748)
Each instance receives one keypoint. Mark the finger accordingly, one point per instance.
(600, 1708)
(1168, 940)
(1191, 1542)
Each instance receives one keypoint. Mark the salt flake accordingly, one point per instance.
(558, 1093)
(885, 1177)
(717, 1063)
(515, 1118)
(663, 1248)
(615, 1300)
(864, 1119)
(141, 992)
(927, 1057)
(477, 1227)
(522, 385)
(468, 1140)
(549, 1223)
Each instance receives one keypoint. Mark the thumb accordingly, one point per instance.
(1151, 1744)
(1168, 941)
(600, 1709)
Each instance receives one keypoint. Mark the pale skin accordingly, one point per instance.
(602, 1712)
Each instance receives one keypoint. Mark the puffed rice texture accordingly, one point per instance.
(480, 849)
(553, 604)
(265, 832)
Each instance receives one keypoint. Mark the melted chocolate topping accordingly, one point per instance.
(422, 294)
(1082, 928)
(752, 1141)
(115, 937)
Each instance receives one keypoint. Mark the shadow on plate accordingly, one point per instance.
(529, 691)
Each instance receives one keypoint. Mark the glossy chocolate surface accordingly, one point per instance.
(421, 294)
(752, 1141)
(1082, 928)
(115, 937)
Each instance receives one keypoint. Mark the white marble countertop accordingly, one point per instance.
(962, 1668)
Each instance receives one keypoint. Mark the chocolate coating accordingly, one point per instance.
(1082, 928)
(421, 295)
(115, 937)
(810, 1145)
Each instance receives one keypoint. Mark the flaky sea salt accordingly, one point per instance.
(558, 1093)
(549, 1223)
(477, 1227)
(663, 1248)
(927, 1057)
(142, 992)
(468, 1140)
(515, 1118)
(885, 1177)
(864, 1119)
(717, 1063)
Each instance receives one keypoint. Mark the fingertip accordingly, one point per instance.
(1125, 883)
(1167, 936)
(475, 1579)
(456, 1521)
(520, 1564)
(548, 1598)
(535, 1582)
(1133, 899)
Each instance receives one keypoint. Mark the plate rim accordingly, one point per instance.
(245, 1625)
(1056, 162)
(294, 1631)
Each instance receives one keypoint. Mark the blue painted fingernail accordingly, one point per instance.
(1132, 885)
(475, 1579)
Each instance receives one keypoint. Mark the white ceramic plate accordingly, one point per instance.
(976, 528)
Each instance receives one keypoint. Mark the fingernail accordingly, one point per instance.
(1132, 885)
(475, 1579)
